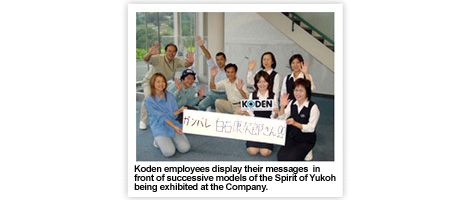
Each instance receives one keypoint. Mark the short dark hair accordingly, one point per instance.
(231, 65)
(266, 77)
(272, 58)
(305, 84)
(221, 54)
(166, 48)
(296, 56)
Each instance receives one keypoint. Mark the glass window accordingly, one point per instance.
(188, 31)
(158, 28)
(151, 28)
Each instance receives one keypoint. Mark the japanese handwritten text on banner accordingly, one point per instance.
(234, 127)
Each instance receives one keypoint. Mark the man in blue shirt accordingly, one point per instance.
(185, 92)
(221, 59)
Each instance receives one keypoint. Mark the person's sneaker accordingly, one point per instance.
(142, 125)
(155, 144)
(309, 156)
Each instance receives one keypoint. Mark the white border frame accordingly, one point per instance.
(315, 189)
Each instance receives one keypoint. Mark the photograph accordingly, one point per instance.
(210, 62)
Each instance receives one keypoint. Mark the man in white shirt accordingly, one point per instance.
(235, 89)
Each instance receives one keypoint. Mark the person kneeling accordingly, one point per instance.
(162, 110)
(302, 116)
(263, 91)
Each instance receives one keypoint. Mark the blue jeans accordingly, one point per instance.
(210, 99)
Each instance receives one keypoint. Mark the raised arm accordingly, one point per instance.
(305, 70)
(249, 77)
(178, 86)
(153, 51)
(212, 77)
(283, 86)
(284, 102)
(200, 42)
(242, 88)
(190, 59)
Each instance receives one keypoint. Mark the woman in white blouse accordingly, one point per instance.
(301, 116)
(300, 69)
(268, 63)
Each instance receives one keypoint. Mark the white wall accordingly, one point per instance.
(248, 36)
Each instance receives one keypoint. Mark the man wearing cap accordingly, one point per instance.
(185, 92)
(167, 65)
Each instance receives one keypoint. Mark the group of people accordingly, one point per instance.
(165, 104)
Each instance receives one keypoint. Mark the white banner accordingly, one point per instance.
(234, 127)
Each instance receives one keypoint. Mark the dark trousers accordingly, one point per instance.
(294, 151)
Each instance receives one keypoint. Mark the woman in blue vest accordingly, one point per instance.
(262, 83)
(163, 111)
(301, 116)
(268, 64)
(300, 69)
